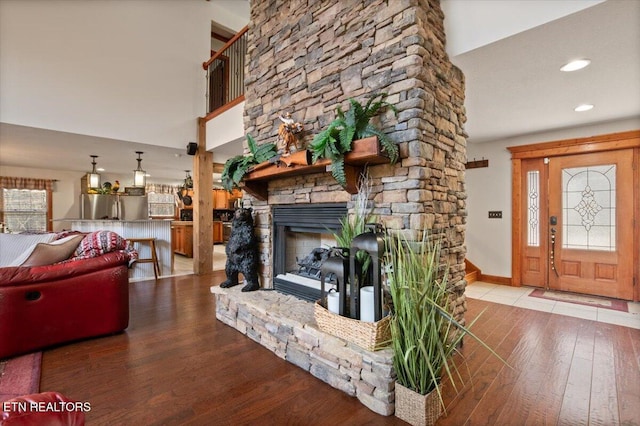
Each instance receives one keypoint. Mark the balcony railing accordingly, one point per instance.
(225, 74)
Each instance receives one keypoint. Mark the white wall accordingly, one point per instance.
(226, 127)
(127, 70)
(230, 14)
(488, 241)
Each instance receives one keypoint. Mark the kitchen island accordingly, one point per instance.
(158, 229)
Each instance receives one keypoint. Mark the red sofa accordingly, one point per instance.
(42, 306)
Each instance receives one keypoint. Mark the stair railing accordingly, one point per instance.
(225, 75)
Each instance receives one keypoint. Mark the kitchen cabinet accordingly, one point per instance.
(217, 232)
(182, 238)
(221, 198)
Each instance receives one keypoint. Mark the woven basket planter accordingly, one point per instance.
(368, 335)
(417, 409)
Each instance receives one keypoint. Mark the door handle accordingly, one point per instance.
(553, 248)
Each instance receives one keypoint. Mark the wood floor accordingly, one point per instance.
(176, 364)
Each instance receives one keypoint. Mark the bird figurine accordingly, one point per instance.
(115, 187)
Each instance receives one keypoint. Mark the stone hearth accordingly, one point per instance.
(286, 326)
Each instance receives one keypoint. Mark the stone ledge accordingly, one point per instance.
(286, 326)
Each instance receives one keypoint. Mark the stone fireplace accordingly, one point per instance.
(323, 52)
(307, 58)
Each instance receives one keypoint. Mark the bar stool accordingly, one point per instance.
(152, 246)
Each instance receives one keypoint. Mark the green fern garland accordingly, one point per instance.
(336, 140)
(235, 168)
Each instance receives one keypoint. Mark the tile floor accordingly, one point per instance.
(519, 296)
(184, 265)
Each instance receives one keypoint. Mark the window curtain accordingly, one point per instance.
(9, 182)
(162, 189)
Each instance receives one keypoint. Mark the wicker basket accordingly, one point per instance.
(416, 409)
(368, 335)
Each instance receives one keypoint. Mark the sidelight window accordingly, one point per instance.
(533, 208)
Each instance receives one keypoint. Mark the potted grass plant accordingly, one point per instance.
(353, 225)
(424, 333)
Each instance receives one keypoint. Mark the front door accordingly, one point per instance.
(578, 221)
(590, 223)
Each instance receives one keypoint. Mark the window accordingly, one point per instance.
(161, 205)
(25, 210)
(25, 203)
(533, 207)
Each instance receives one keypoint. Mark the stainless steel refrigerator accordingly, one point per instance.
(113, 207)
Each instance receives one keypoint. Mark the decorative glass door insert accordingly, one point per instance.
(589, 207)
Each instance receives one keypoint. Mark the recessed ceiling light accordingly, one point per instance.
(575, 65)
(583, 107)
(100, 169)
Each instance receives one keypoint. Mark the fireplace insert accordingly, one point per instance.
(301, 234)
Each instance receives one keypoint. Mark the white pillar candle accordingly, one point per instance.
(333, 302)
(366, 304)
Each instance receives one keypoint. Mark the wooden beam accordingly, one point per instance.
(203, 205)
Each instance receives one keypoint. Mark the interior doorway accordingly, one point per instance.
(575, 208)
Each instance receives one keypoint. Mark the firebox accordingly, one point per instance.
(302, 233)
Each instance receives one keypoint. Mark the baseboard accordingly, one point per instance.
(471, 277)
(494, 279)
(472, 272)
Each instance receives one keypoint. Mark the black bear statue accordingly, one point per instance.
(242, 252)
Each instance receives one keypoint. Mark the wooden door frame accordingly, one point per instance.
(608, 142)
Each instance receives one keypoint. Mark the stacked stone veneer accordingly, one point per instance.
(286, 326)
(308, 57)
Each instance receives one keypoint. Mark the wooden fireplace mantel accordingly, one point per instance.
(364, 152)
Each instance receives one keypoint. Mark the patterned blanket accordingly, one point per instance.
(98, 243)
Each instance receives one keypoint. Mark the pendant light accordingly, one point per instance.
(93, 178)
(139, 175)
